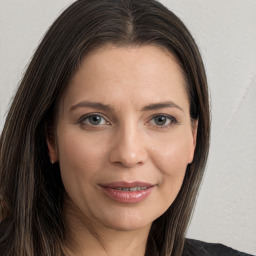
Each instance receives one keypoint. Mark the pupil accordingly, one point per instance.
(160, 120)
(95, 120)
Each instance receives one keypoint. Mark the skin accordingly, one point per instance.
(128, 144)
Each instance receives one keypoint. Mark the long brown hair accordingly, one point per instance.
(31, 190)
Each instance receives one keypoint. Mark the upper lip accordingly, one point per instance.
(123, 184)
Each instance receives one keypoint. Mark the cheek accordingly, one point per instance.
(172, 155)
(80, 158)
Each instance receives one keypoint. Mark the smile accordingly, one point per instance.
(132, 189)
(128, 193)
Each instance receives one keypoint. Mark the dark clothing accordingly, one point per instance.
(191, 248)
(199, 248)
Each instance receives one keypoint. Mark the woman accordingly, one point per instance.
(105, 144)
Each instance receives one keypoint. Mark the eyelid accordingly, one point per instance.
(173, 120)
(82, 118)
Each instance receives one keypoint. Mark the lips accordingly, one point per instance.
(128, 193)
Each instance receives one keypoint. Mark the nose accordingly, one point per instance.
(128, 148)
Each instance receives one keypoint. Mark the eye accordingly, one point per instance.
(93, 119)
(163, 120)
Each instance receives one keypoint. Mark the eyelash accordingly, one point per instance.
(172, 120)
(82, 120)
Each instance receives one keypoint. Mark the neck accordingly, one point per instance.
(87, 237)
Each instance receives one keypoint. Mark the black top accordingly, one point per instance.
(195, 248)
(199, 248)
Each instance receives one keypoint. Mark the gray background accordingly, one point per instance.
(226, 34)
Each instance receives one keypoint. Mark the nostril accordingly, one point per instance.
(128, 162)
(127, 150)
(123, 165)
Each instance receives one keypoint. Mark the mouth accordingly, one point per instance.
(124, 184)
(127, 193)
(132, 189)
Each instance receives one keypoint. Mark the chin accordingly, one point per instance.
(129, 219)
(127, 224)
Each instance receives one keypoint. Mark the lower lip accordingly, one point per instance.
(128, 197)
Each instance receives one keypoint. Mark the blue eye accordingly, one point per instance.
(93, 119)
(163, 120)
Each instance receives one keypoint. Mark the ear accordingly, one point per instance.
(194, 137)
(51, 144)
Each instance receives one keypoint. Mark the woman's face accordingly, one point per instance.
(124, 136)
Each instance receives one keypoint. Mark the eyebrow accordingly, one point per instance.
(96, 105)
(109, 108)
(167, 104)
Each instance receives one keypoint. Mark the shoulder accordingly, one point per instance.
(199, 248)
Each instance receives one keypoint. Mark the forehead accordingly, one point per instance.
(149, 73)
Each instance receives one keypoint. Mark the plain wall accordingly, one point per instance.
(226, 34)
